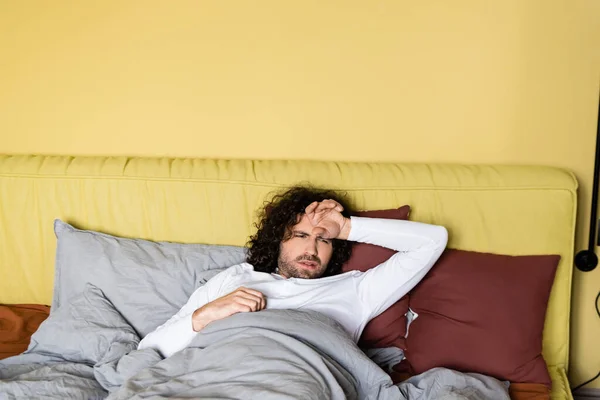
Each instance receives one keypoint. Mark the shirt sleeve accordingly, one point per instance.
(419, 246)
(177, 332)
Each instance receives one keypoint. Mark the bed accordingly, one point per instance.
(507, 212)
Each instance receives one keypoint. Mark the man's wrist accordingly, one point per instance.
(345, 231)
(198, 322)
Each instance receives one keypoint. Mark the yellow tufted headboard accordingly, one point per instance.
(501, 209)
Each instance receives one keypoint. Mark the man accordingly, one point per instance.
(294, 262)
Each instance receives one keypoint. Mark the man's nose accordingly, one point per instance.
(311, 248)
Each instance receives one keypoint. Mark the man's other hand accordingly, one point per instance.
(240, 300)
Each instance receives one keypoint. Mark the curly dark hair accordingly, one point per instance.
(279, 215)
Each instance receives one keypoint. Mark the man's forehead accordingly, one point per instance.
(306, 229)
(303, 224)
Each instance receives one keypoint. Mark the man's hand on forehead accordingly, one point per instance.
(325, 205)
(327, 220)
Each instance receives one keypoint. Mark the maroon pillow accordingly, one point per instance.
(17, 323)
(485, 313)
(389, 328)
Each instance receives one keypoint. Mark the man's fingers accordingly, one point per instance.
(249, 296)
(261, 297)
(334, 204)
(262, 305)
(327, 205)
(251, 304)
(324, 206)
(253, 295)
(251, 291)
(311, 207)
(317, 212)
(258, 295)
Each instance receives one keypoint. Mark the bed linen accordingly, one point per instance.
(87, 350)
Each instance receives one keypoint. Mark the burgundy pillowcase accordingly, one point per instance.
(389, 328)
(17, 323)
(485, 313)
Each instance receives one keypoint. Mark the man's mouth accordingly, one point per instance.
(308, 264)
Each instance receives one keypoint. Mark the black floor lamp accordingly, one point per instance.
(587, 260)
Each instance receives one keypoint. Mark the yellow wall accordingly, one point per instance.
(508, 81)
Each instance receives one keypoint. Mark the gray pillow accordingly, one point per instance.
(147, 282)
(85, 330)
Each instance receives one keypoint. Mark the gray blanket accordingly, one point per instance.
(273, 354)
(290, 354)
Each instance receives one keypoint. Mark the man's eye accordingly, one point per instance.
(300, 235)
(326, 241)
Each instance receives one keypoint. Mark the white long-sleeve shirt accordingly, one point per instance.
(352, 298)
